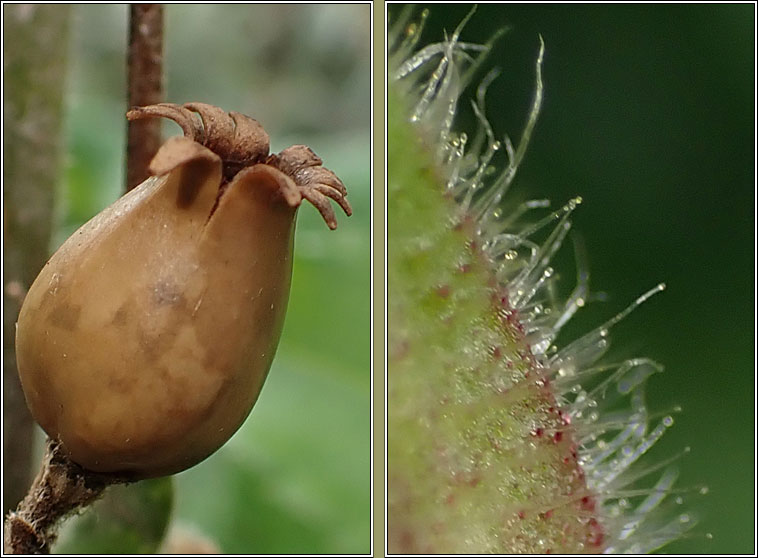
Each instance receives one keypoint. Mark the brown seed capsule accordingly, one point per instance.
(145, 340)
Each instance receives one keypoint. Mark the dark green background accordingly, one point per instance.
(648, 114)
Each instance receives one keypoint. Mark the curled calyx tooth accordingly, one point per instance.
(241, 142)
(145, 340)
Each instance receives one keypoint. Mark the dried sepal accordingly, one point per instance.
(241, 142)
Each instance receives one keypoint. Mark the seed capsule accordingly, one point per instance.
(145, 340)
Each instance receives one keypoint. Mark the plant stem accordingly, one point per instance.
(61, 487)
(34, 66)
(145, 83)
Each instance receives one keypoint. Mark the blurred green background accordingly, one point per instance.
(296, 477)
(648, 114)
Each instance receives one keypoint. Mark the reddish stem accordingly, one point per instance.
(145, 83)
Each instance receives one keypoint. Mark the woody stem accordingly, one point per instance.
(61, 487)
(145, 87)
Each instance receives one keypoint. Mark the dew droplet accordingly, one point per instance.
(668, 421)
(704, 490)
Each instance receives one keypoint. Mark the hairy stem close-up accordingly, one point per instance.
(502, 437)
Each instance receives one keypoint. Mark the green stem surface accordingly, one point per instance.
(481, 459)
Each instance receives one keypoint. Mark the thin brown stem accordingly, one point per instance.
(145, 82)
(61, 487)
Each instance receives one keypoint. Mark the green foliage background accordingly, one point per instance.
(648, 114)
(296, 477)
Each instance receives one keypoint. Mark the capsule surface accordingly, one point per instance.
(145, 340)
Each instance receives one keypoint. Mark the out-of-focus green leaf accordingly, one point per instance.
(128, 519)
(296, 476)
